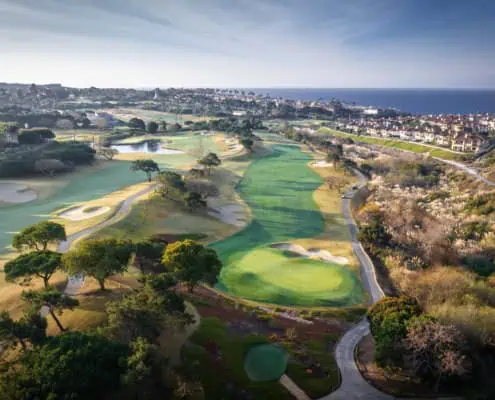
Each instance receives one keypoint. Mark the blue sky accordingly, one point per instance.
(249, 43)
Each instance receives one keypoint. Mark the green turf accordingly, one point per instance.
(397, 144)
(265, 362)
(279, 190)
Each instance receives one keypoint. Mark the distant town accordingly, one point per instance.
(56, 106)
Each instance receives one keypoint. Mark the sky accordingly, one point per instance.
(249, 43)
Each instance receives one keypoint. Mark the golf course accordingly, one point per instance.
(279, 190)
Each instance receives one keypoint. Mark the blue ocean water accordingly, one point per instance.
(415, 101)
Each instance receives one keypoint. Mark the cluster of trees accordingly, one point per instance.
(152, 127)
(54, 157)
(407, 337)
(120, 359)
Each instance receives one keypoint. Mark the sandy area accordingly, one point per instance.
(321, 164)
(232, 214)
(311, 253)
(15, 193)
(79, 213)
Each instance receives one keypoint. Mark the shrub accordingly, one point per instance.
(481, 205)
(35, 135)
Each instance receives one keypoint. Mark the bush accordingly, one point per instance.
(16, 167)
(35, 135)
(481, 205)
(74, 153)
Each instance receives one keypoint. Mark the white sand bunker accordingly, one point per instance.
(16, 193)
(82, 212)
(321, 164)
(311, 253)
(232, 214)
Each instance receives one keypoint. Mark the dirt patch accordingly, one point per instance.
(323, 255)
(321, 164)
(11, 192)
(232, 214)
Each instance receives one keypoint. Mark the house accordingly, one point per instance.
(418, 136)
(442, 139)
(468, 143)
(429, 137)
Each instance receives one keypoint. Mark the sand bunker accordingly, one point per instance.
(311, 253)
(321, 164)
(232, 214)
(82, 212)
(16, 193)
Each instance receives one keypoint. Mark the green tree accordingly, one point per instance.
(163, 126)
(39, 236)
(42, 264)
(152, 127)
(172, 186)
(147, 166)
(333, 158)
(210, 161)
(374, 234)
(30, 328)
(137, 123)
(191, 263)
(73, 366)
(194, 201)
(109, 153)
(389, 319)
(98, 258)
(247, 143)
(146, 252)
(53, 300)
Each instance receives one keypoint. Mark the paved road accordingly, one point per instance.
(75, 282)
(354, 386)
(468, 170)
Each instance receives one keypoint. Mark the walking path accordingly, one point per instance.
(293, 389)
(466, 169)
(75, 282)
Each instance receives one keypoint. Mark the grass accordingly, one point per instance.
(283, 209)
(397, 144)
(125, 114)
(268, 275)
(217, 375)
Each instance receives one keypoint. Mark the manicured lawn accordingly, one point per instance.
(397, 144)
(270, 276)
(279, 189)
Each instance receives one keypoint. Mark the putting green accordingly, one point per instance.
(265, 362)
(279, 190)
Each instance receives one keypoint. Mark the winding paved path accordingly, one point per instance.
(75, 282)
(354, 386)
(467, 170)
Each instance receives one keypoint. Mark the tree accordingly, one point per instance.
(147, 166)
(109, 153)
(438, 351)
(74, 366)
(336, 183)
(137, 123)
(39, 236)
(50, 166)
(30, 328)
(203, 187)
(191, 263)
(41, 264)
(147, 251)
(374, 234)
(98, 258)
(163, 126)
(333, 158)
(366, 169)
(35, 135)
(389, 319)
(172, 185)
(53, 300)
(210, 161)
(194, 201)
(152, 127)
(196, 173)
(247, 143)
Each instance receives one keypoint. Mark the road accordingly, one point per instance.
(466, 169)
(75, 282)
(354, 386)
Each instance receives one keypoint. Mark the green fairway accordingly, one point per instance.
(279, 190)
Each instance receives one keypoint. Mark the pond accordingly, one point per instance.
(148, 146)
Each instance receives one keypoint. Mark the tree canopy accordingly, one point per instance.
(73, 366)
(210, 161)
(98, 258)
(39, 236)
(53, 300)
(172, 185)
(191, 263)
(137, 123)
(41, 264)
(147, 166)
(152, 127)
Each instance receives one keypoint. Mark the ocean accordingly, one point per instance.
(415, 101)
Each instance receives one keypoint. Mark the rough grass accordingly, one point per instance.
(279, 190)
(397, 144)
